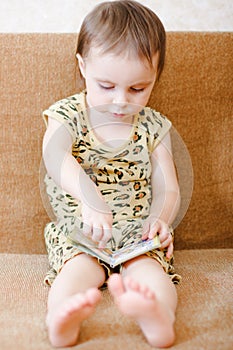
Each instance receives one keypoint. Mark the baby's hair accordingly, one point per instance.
(123, 27)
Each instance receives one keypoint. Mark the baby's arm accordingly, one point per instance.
(165, 195)
(69, 175)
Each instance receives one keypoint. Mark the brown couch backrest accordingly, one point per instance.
(195, 92)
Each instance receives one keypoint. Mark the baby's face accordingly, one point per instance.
(118, 81)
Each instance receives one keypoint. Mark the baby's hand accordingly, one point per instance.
(97, 222)
(153, 226)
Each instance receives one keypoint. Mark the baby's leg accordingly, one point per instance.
(72, 298)
(146, 293)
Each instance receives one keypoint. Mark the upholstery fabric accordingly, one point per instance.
(204, 314)
(195, 93)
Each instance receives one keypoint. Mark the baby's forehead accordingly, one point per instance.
(98, 52)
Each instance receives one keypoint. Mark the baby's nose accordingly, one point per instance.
(121, 99)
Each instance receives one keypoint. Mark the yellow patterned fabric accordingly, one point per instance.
(122, 174)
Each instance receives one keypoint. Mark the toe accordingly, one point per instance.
(115, 285)
(134, 286)
(93, 295)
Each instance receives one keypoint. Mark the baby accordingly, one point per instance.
(109, 163)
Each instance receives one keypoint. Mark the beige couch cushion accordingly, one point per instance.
(204, 314)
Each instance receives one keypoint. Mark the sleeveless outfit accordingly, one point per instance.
(122, 174)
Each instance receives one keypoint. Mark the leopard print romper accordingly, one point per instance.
(122, 175)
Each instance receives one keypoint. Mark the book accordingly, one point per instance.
(112, 254)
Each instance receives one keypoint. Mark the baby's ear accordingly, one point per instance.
(81, 64)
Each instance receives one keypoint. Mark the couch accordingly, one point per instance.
(195, 92)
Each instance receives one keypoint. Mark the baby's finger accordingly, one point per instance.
(87, 230)
(167, 241)
(154, 229)
(145, 230)
(170, 250)
(107, 235)
(165, 234)
(97, 234)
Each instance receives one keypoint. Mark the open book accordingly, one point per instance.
(110, 254)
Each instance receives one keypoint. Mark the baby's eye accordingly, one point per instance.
(106, 87)
(137, 89)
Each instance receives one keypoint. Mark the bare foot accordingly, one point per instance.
(139, 302)
(64, 323)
